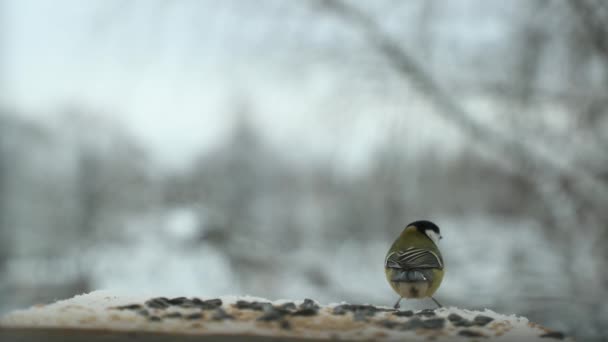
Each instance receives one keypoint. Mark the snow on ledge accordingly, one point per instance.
(253, 316)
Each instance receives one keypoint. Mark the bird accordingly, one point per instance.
(413, 265)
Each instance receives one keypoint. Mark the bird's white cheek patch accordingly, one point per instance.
(433, 236)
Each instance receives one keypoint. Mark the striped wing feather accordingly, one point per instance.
(413, 258)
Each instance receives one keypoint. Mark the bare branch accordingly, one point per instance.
(594, 19)
(519, 156)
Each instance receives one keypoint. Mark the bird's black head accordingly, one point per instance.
(428, 228)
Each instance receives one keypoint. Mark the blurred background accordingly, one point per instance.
(277, 148)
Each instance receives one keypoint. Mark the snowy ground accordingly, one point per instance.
(105, 313)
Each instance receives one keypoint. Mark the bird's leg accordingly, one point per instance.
(436, 302)
(396, 306)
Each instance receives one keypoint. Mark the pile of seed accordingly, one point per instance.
(161, 308)
(162, 304)
(269, 311)
(281, 312)
(424, 319)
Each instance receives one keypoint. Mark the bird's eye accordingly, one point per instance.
(440, 237)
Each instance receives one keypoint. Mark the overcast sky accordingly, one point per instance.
(175, 72)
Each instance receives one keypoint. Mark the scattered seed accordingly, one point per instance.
(417, 323)
(173, 315)
(470, 333)
(463, 323)
(209, 304)
(129, 307)
(414, 323)
(387, 323)
(363, 313)
(287, 306)
(214, 301)
(434, 323)
(339, 310)
(408, 313)
(243, 304)
(270, 315)
(459, 321)
(305, 312)
(553, 334)
(369, 309)
(193, 316)
(309, 304)
(455, 317)
(481, 320)
(221, 314)
(158, 303)
(178, 300)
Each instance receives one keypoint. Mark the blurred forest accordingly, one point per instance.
(500, 138)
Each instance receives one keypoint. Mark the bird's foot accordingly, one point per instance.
(397, 306)
(436, 302)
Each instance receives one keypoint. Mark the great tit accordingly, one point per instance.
(413, 264)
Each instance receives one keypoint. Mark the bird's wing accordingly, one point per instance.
(414, 258)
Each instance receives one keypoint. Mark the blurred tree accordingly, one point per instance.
(110, 175)
(3, 29)
(5, 237)
(89, 191)
(530, 43)
(564, 184)
(234, 183)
